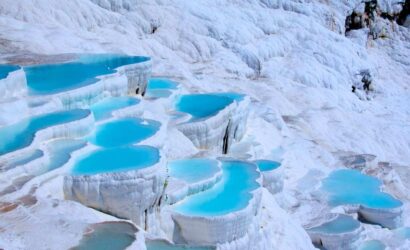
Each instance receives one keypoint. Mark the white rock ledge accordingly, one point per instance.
(14, 85)
(212, 230)
(390, 218)
(129, 194)
(218, 132)
(273, 180)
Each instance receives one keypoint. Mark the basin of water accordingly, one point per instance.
(160, 87)
(202, 105)
(161, 245)
(372, 245)
(349, 186)
(267, 165)
(341, 224)
(403, 232)
(5, 70)
(103, 109)
(230, 194)
(21, 134)
(22, 159)
(60, 151)
(193, 170)
(108, 236)
(55, 78)
(117, 159)
(124, 131)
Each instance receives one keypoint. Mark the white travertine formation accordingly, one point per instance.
(14, 85)
(273, 180)
(131, 194)
(221, 130)
(390, 218)
(137, 76)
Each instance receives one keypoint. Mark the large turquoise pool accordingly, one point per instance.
(116, 160)
(5, 70)
(104, 108)
(193, 170)
(108, 236)
(54, 78)
(124, 131)
(267, 165)
(21, 134)
(341, 224)
(349, 186)
(230, 194)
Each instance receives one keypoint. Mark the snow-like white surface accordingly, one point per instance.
(290, 57)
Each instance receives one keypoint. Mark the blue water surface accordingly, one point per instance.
(60, 151)
(349, 186)
(6, 69)
(267, 165)
(55, 78)
(21, 134)
(104, 108)
(341, 224)
(124, 131)
(193, 170)
(161, 245)
(230, 194)
(108, 236)
(372, 245)
(116, 160)
(202, 105)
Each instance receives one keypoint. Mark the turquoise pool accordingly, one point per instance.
(124, 131)
(23, 159)
(403, 232)
(160, 87)
(103, 109)
(349, 186)
(267, 165)
(108, 236)
(372, 245)
(21, 134)
(232, 95)
(230, 194)
(116, 160)
(161, 245)
(55, 78)
(60, 151)
(6, 69)
(193, 170)
(202, 105)
(341, 224)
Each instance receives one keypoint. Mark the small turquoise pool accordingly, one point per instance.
(116, 160)
(232, 95)
(6, 69)
(341, 224)
(193, 170)
(108, 236)
(202, 105)
(21, 134)
(349, 186)
(160, 87)
(267, 165)
(103, 109)
(372, 245)
(55, 78)
(23, 159)
(403, 232)
(124, 131)
(161, 245)
(230, 194)
(60, 151)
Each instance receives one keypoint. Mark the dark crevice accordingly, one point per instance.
(146, 220)
(137, 91)
(404, 13)
(225, 146)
